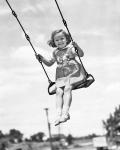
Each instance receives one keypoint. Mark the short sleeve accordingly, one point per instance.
(72, 51)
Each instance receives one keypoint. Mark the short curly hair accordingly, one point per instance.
(51, 41)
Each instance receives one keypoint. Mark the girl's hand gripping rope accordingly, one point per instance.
(78, 50)
(39, 57)
(75, 45)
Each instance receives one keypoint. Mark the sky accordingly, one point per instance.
(95, 26)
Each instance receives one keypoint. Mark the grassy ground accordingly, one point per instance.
(46, 146)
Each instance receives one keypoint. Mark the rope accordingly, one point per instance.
(28, 38)
(65, 24)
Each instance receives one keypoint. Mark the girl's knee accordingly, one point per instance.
(68, 89)
(59, 91)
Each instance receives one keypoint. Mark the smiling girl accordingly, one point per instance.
(67, 72)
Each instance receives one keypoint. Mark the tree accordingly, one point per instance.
(69, 139)
(1, 134)
(38, 137)
(112, 124)
(15, 135)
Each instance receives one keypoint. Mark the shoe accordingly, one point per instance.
(57, 121)
(64, 118)
(58, 115)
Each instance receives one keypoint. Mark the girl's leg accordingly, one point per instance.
(67, 98)
(59, 104)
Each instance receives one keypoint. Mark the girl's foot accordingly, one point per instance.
(58, 115)
(57, 122)
(64, 118)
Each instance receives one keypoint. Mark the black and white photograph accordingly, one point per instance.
(59, 74)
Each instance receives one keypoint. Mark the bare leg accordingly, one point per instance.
(67, 97)
(59, 104)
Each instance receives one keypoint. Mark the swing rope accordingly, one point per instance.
(28, 38)
(65, 24)
(89, 78)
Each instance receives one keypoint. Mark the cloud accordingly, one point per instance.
(113, 88)
(40, 39)
(36, 7)
(23, 53)
(4, 11)
(29, 9)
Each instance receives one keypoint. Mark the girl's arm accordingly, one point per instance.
(44, 60)
(80, 51)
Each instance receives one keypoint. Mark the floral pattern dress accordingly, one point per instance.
(68, 71)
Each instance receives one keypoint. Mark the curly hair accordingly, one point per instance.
(51, 41)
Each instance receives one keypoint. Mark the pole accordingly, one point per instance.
(59, 132)
(49, 129)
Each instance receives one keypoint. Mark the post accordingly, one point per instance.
(59, 133)
(49, 128)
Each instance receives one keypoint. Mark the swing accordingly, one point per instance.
(87, 80)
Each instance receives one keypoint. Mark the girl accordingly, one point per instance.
(68, 71)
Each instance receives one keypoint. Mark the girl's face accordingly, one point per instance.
(60, 40)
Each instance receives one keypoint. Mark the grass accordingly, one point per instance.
(78, 145)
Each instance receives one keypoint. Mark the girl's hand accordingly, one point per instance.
(78, 50)
(39, 57)
(75, 45)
